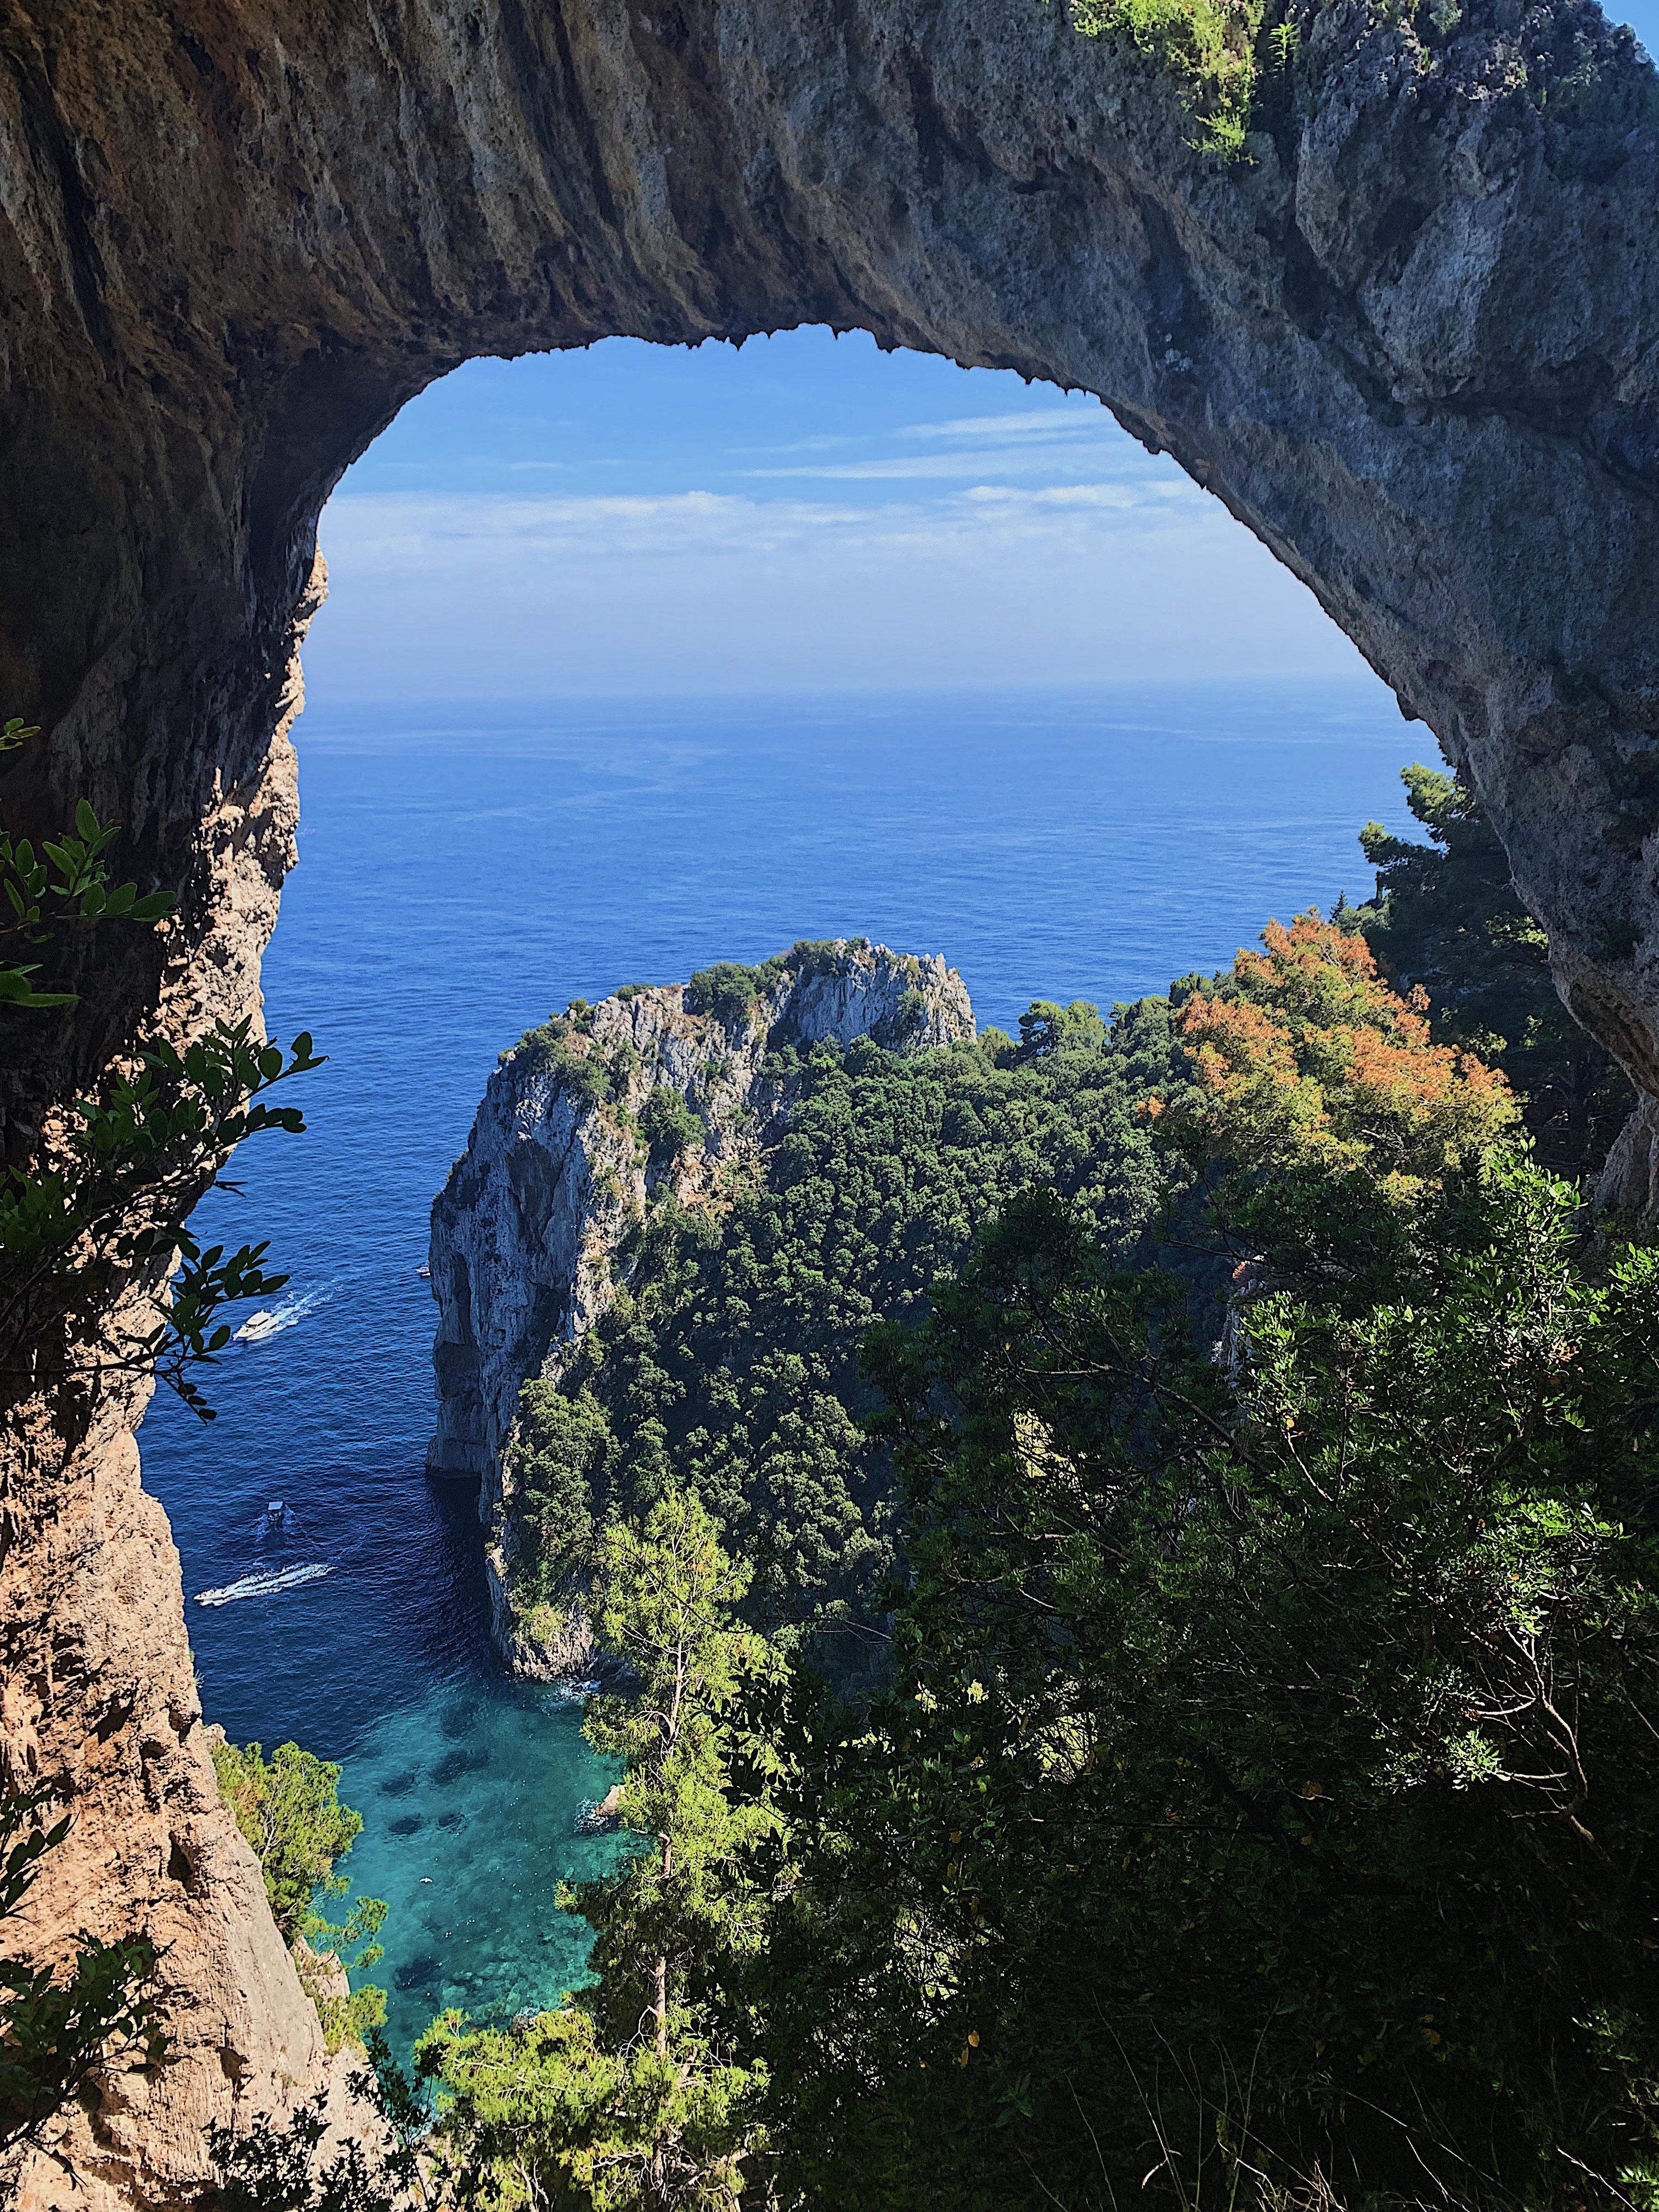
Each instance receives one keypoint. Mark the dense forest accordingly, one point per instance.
(1134, 1551)
(730, 1364)
(1236, 1444)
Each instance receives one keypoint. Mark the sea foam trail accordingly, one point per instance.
(264, 1585)
(260, 1326)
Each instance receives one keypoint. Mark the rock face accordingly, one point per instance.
(93, 1593)
(98, 1700)
(529, 1233)
(1412, 341)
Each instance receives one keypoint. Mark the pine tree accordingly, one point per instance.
(627, 2095)
(1448, 917)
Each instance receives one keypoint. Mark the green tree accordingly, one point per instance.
(1448, 917)
(1046, 1026)
(289, 1810)
(628, 2095)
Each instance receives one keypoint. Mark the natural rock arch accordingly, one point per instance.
(1412, 341)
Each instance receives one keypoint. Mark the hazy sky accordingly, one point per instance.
(801, 514)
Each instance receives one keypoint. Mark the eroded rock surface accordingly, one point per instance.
(530, 1233)
(1412, 342)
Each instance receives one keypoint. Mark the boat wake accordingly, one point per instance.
(271, 1322)
(265, 1584)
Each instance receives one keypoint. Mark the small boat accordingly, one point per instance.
(265, 1584)
(270, 1319)
(424, 1271)
(276, 1523)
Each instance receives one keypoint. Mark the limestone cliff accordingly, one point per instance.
(529, 1233)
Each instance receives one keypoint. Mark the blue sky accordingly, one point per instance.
(803, 513)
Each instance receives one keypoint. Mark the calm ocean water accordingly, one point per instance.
(459, 880)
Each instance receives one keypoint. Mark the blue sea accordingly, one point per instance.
(462, 876)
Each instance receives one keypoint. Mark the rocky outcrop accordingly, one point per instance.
(1411, 340)
(529, 1234)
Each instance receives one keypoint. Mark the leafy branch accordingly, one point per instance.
(65, 881)
(121, 1175)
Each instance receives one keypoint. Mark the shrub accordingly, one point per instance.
(547, 1050)
(1208, 47)
(668, 1125)
(816, 956)
(727, 991)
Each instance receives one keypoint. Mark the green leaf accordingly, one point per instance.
(16, 990)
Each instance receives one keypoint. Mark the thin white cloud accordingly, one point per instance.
(1041, 421)
(503, 594)
(921, 468)
(388, 533)
(1146, 496)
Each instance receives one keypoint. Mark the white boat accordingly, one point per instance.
(270, 1319)
(265, 1584)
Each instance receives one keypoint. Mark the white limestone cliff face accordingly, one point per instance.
(527, 1234)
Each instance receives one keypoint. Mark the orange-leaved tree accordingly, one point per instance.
(1329, 1132)
(1305, 1053)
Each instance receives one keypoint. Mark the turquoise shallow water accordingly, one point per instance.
(469, 1802)
(460, 878)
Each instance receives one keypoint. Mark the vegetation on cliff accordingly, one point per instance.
(1255, 1810)
(632, 2092)
(1261, 1802)
(288, 1809)
(730, 1365)
(1446, 919)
